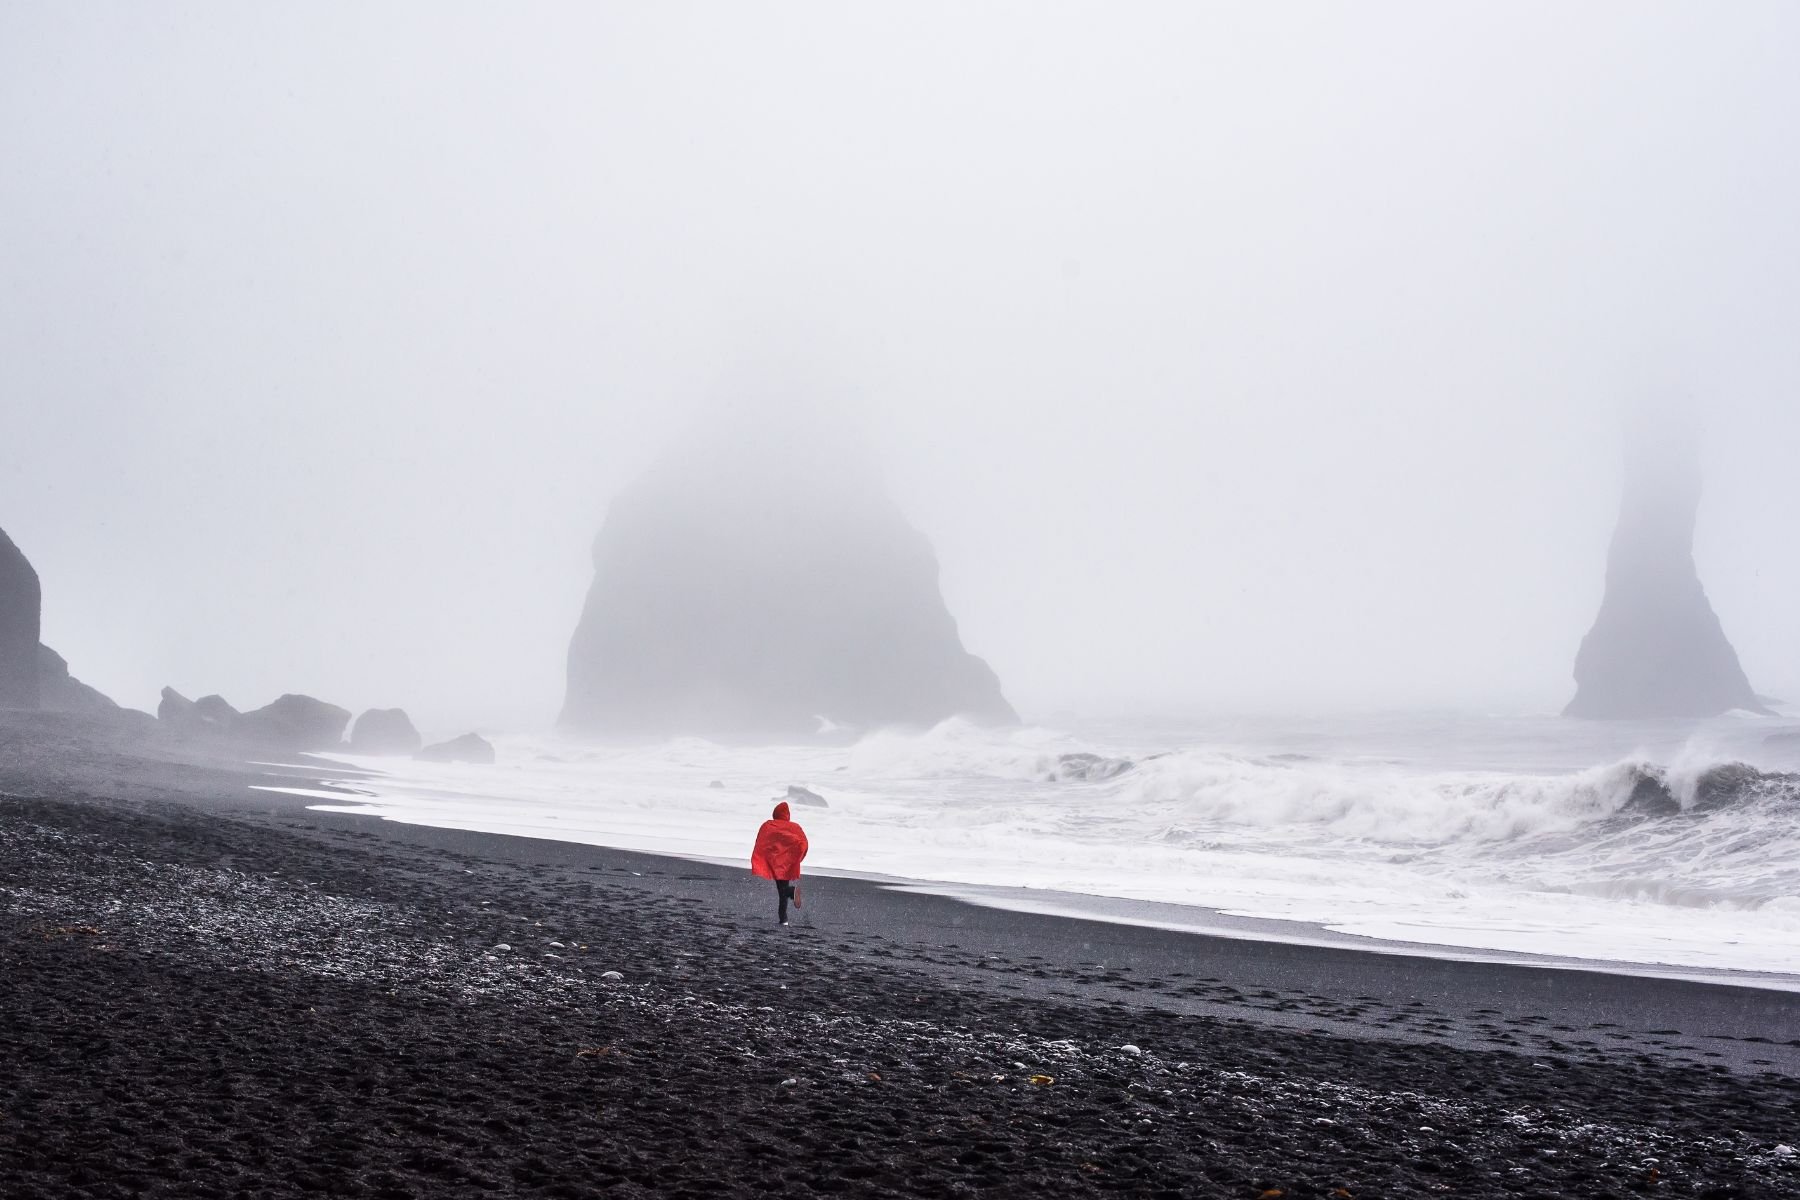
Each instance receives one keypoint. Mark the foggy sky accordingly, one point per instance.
(1231, 355)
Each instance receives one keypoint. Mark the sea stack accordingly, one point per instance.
(21, 615)
(760, 583)
(1657, 648)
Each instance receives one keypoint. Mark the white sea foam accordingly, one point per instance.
(1696, 864)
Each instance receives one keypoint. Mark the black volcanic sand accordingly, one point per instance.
(245, 998)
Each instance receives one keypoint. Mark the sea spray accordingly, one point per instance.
(1660, 847)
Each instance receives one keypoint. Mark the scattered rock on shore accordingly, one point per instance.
(385, 731)
(469, 748)
(805, 797)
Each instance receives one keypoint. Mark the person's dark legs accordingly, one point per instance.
(783, 889)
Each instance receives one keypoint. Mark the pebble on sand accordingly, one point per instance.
(612, 976)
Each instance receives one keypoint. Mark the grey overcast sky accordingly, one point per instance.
(1232, 355)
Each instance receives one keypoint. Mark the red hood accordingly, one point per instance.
(781, 812)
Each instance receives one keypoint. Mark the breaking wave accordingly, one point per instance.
(1398, 808)
(1687, 833)
(1679, 847)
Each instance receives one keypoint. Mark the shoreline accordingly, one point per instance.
(219, 992)
(1750, 1025)
(337, 794)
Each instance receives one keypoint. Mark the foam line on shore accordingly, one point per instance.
(1177, 918)
(1209, 922)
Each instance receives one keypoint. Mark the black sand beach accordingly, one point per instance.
(207, 991)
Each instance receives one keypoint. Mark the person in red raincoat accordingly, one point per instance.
(780, 845)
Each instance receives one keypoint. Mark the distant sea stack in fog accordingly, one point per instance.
(745, 587)
(21, 612)
(1657, 648)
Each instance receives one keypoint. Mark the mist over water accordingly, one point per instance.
(1230, 357)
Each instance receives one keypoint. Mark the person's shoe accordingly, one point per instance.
(784, 922)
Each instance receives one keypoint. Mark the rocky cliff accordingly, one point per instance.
(21, 610)
(1657, 648)
(748, 587)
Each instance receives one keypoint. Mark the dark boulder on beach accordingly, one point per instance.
(21, 612)
(294, 722)
(384, 731)
(469, 748)
(759, 582)
(805, 797)
(1657, 648)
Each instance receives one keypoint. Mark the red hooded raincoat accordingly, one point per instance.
(780, 845)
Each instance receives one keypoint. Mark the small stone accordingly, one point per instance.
(790, 1082)
(1134, 1051)
(612, 976)
(502, 946)
(1785, 1151)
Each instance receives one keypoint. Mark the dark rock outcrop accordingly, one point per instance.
(174, 707)
(804, 797)
(59, 691)
(216, 712)
(21, 611)
(1084, 767)
(747, 588)
(1657, 648)
(384, 731)
(208, 716)
(294, 722)
(469, 748)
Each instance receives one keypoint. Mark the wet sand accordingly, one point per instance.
(213, 992)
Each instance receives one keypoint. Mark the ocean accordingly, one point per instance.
(1666, 845)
